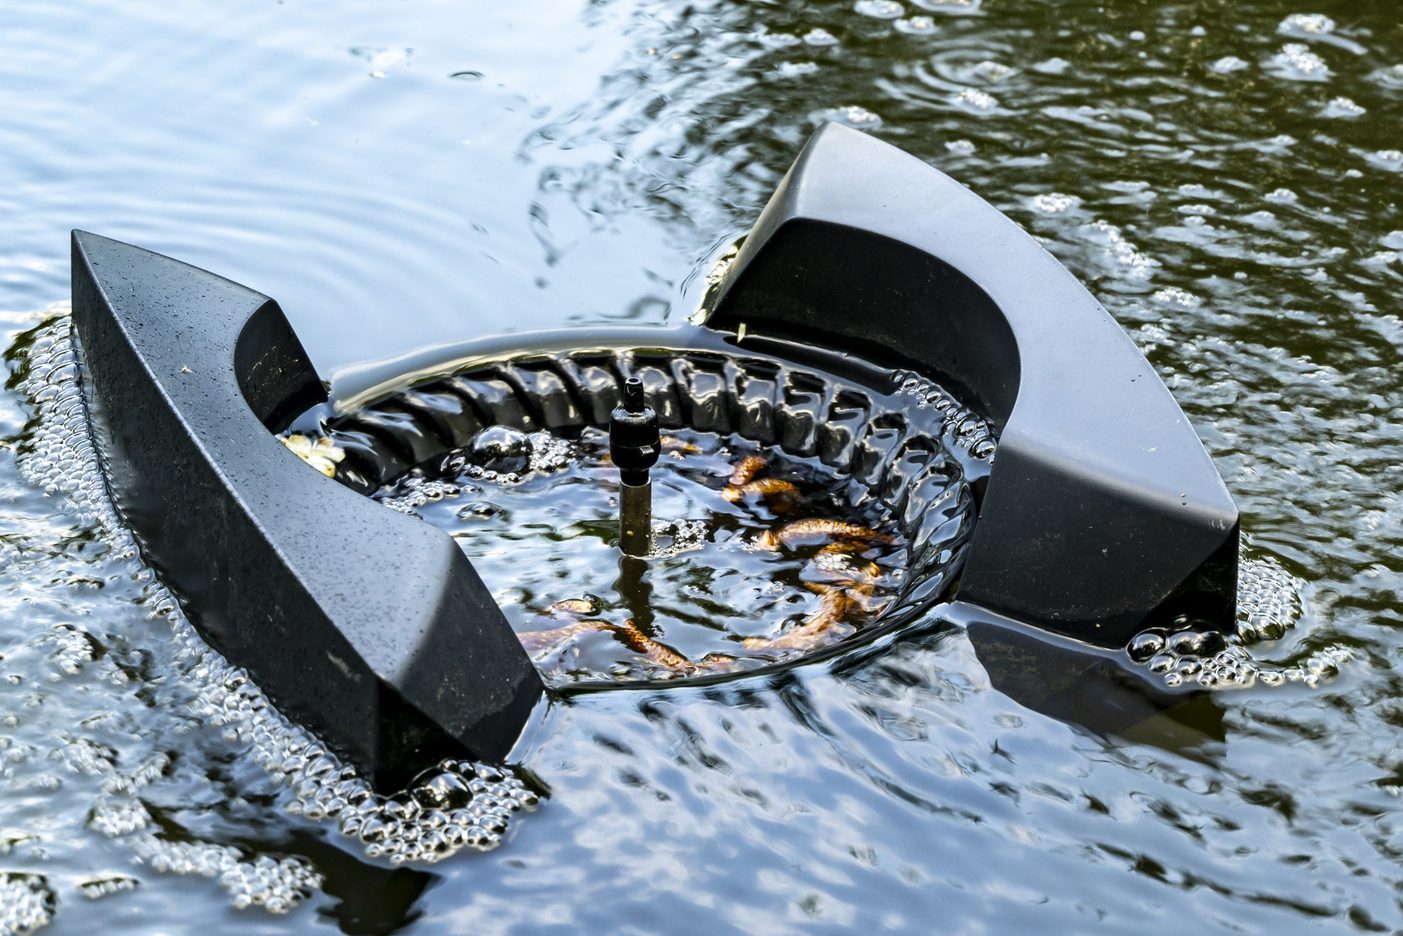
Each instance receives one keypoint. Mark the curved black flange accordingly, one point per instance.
(1102, 513)
(370, 625)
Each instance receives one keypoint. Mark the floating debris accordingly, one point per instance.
(322, 454)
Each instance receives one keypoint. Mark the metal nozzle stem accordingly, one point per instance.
(636, 519)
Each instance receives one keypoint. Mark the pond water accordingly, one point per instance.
(720, 588)
(1223, 176)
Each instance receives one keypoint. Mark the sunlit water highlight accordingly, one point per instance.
(455, 171)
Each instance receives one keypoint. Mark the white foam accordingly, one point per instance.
(975, 100)
(26, 903)
(1174, 296)
(206, 689)
(1306, 24)
(1297, 62)
(879, 9)
(1055, 203)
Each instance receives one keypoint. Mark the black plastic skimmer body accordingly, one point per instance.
(1102, 514)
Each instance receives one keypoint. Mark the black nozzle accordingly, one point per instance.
(633, 435)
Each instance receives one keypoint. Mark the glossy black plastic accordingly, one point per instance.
(371, 626)
(634, 438)
(1102, 513)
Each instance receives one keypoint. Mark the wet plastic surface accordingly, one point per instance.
(1103, 511)
(397, 656)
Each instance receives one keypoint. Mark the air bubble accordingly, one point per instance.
(1343, 107)
(1227, 65)
(1162, 662)
(1268, 600)
(674, 537)
(479, 510)
(990, 71)
(1390, 159)
(419, 492)
(975, 101)
(96, 888)
(1269, 603)
(879, 9)
(1306, 24)
(949, 6)
(796, 69)
(1297, 62)
(1145, 645)
(916, 26)
(62, 460)
(501, 449)
(26, 903)
(1391, 77)
(1055, 203)
(852, 115)
(550, 453)
(1139, 266)
(1180, 298)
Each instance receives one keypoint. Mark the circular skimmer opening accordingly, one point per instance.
(799, 507)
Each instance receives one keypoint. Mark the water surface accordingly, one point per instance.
(1223, 176)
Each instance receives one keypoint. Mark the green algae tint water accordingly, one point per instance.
(1224, 177)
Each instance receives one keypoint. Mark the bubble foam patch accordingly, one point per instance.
(455, 806)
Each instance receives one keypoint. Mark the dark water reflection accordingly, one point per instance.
(1186, 159)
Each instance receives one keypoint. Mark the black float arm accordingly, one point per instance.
(1103, 512)
(370, 625)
